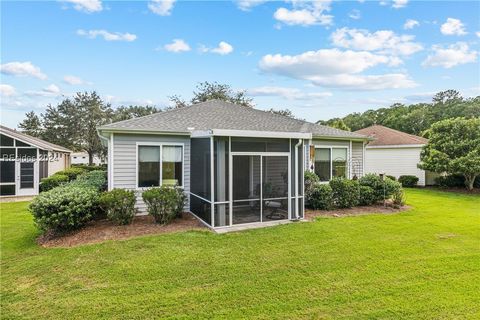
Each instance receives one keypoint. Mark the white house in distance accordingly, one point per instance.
(395, 153)
(82, 158)
(25, 160)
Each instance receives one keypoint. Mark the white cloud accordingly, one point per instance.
(49, 91)
(397, 4)
(72, 80)
(178, 45)
(410, 24)
(305, 13)
(336, 68)
(161, 7)
(7, 90)
(107, 36)
(287, 93)
(454, 54)
(355, 14)
(223, 48)
(385, 41)
(88, 6)
(246, 5)
(22, 69)
(478, 33)
(453, 27)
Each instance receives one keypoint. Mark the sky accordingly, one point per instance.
(320, 59)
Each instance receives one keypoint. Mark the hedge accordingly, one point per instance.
(408, 181)
(320, 197)
(345, 193)
(119, 204)
(51, 182)
(164, 203)
(72, 173)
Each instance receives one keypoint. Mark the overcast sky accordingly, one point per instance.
(319, 59)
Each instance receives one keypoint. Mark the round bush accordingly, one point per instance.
(321, 197)
(96, 179)
(408, 181)
(52, 182)
(64, 208)
(391, 177)
(345, 192)
(119, 205)
(164, 203)
(367, 196)
(386, 187)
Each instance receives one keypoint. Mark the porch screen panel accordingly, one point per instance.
(323, 163)
(7, 172)
(221, 182)
(246, 189)
(26, 175)
(275, 188)
(259, 145)
(200, 178)
(339, 162)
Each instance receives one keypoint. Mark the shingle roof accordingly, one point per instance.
(39, 143)
(216, 114)
(384, 136)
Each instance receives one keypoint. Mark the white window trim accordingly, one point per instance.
(159, 144)
(331, 159)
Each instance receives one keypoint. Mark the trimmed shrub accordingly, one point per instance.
(88, 168)
(345, 192)
(96, 179)
(64, 208)
(408, 181)
(71, 173)
(51, 182)
(321, 197)
(386, 187)
(310, 181)
(164, 203)
(455, 181)
(119, 204)
(367, 196)
(391, 177)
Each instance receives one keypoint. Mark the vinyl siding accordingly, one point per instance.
(125, 166)
(395, 162)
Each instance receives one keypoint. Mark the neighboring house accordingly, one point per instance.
(395, 153)
(237, 164)
(82, 158)
(25, 160)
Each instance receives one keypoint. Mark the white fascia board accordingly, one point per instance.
(396, 146)
(201, 133)
(260, 134)
(136, 131)
(359, 139)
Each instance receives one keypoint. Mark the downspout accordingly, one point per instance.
(296, 178)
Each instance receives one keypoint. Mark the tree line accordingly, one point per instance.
(414, 118)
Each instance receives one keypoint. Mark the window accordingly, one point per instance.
(172, 164)
(331, 162)
(339, 162)
(148, 166)
(159, 165)
(323, 163)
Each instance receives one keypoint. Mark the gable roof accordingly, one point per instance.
(384, 136)
(221, 115)
(36, 142)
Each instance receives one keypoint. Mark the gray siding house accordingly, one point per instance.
(238, 165)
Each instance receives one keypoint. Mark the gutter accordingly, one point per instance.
(296, 178)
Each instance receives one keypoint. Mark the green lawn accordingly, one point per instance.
(420, 264)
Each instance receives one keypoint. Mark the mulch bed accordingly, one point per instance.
(102, 230)
(356, 211)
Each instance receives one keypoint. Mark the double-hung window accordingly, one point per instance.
(331, 162)
(160, 165)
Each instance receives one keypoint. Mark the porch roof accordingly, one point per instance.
(221, 116)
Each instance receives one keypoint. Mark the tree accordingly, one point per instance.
(453, 148)
(447, 97)
(283, 112)
(124, 113)
(339, 124)
(214, 90)
(31, 125)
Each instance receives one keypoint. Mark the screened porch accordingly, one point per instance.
(240, 180)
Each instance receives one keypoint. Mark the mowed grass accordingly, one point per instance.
(419, 264)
